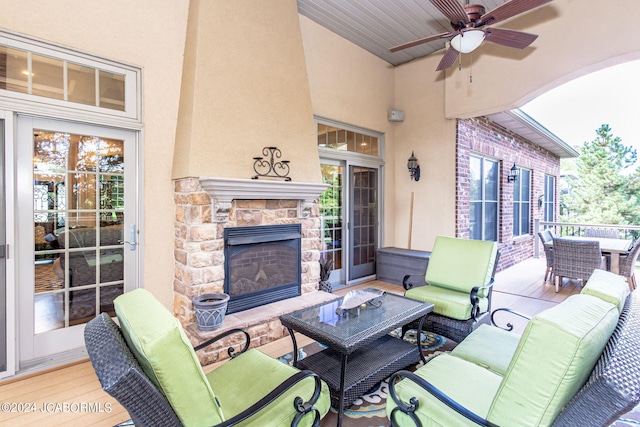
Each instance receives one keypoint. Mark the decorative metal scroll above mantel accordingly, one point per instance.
(269, 167)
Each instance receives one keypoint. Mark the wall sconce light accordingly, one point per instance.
(414, 167)
(513, 173)
(540, 200)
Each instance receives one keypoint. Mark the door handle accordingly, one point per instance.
(132, 238)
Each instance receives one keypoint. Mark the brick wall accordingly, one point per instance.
(484, 137)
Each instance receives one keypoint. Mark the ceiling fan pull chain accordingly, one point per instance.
(470, 67)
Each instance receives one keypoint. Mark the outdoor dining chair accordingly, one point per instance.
(459, 283)
(628, 265)
(608, 233)
(575, 259)
(149, 366)
(547, 240)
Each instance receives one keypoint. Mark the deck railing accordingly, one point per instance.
(578, 229)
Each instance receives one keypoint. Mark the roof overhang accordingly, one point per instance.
(519, 122)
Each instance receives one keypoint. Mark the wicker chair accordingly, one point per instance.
(628, 264)
(608, 233)
(547, 240)
(137, 390)
(575, 259)
(459, 278)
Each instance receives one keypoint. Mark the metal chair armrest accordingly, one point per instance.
(303, 408)
(410, 408)
(509, 326)
(419, 282)
(475, 300)
(231, 351)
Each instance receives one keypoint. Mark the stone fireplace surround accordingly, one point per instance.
(204, 207)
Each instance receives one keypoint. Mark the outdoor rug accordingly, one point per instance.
(370, 409)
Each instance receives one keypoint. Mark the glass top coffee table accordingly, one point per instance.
(360, 350)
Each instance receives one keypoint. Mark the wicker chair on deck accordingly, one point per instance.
(607, 233)
(150, 368)
(547, 240)
(459, 283)
(576, 259)
(628, 265)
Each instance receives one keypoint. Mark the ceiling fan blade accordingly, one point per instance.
(422, 40)
(448, 59)
(453, 10)
(509, 38)
(509, 9)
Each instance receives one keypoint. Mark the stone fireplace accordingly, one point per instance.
(206, 208)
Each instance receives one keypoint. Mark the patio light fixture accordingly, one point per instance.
(414, 167)
(513, 173)
(467, 41)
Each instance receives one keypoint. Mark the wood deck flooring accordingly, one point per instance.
(520, 288)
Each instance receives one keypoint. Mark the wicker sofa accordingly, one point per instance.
(576, 364)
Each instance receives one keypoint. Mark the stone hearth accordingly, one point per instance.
(204, 207)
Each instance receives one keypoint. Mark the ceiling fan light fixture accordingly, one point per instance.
(467, 41)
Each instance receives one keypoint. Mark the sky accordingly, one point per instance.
(575, 110)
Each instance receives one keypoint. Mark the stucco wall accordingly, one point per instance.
(576, 37)
(149, 34)
(245, 88)
(351, 85)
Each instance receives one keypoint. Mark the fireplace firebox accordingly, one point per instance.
(262, 264)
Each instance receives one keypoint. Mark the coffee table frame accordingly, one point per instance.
(358, 359)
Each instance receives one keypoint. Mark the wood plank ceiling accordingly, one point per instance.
(377, 25)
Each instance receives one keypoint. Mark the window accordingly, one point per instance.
(37, 73)
(483, 199)
(522, 203)
(345, 140)
(549, 213)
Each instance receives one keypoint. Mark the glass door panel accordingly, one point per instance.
(331, 213)
(363, 224)
(81, 203)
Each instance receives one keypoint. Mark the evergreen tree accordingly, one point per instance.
(605, 188)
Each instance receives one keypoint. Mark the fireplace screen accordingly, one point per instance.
(262, 264)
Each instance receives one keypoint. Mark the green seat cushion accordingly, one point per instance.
(554, 358)
(263, 373)
(160, 345)
(608, 286)
(461, 264)
(489, 347)
(447, 302)
(467, 383)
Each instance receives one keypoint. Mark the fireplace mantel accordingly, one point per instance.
(223, 191)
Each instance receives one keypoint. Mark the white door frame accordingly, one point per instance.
(32, 350)
(7, 119)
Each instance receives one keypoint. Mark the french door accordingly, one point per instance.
(3, 256)
(77, 221)
(349, 209)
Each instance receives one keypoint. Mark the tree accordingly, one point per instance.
(605, 188)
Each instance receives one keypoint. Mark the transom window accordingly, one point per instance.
(522, 203)
(483, 199)
(38, 73)
(341, 139)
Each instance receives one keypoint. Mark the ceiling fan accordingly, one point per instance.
(471, 27)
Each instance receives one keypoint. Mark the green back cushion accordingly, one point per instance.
(230, 384)
(554, 358)
(608, 286)
(160, 345)
(461, 264)
(489, 347)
